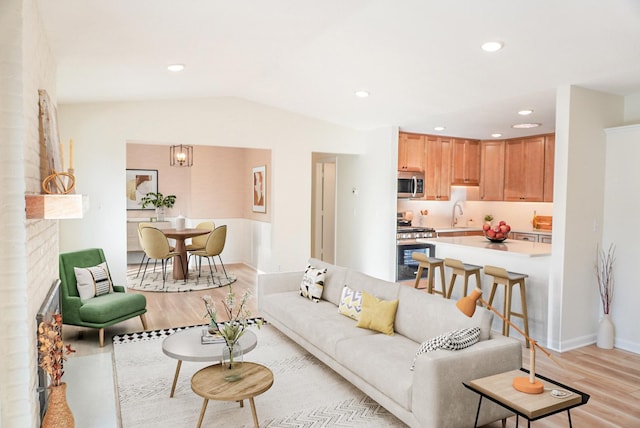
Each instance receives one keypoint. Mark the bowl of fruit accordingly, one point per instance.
(497, 233)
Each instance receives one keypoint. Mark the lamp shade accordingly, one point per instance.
(467, 304)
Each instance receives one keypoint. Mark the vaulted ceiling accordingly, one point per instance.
(420, 60)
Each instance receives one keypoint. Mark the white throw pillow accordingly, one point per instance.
(93, 281)
(312, 283)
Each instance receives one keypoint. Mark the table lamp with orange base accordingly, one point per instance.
(529, 385)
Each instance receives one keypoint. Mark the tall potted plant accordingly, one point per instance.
(604, 275)
(159, 201)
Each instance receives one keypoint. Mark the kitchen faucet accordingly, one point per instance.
(454, 219)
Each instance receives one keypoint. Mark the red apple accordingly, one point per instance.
(508, 228)
(486, 227)
(504, 229)
(499, 235)
(502, 223)
(491, 233)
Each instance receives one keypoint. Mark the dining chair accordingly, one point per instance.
(144, 255)
(200, 242)
(214, 246)
(156, 246)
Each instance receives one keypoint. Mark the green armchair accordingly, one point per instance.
(101, 311)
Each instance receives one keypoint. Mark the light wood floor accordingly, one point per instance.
(610, 377)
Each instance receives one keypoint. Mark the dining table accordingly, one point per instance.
(180, 236)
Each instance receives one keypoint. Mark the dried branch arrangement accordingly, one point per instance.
(604, 275)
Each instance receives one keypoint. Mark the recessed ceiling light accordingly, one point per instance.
(362, 94)
(492, 46)
(175, 67)
(439, 128)
(525, 125)
(496, 135)
(525, 112)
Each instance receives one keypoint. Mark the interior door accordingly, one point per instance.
(324, 219)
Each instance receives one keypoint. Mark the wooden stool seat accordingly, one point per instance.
(465, 270)
(431, 263)
(502, 277)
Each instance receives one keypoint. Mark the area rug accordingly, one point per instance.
(305, 392)
(153, 280)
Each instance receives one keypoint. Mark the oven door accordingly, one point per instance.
(407, 268)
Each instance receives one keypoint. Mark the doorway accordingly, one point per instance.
(324, 209)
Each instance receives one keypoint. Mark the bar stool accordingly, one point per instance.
(464, 269)
(430, 263)
(509, 279)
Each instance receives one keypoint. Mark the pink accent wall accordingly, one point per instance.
(218, 185)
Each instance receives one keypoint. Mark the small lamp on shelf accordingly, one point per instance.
(530, 385)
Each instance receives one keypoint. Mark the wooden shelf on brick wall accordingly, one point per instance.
(55, 207)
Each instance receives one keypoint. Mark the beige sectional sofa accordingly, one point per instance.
(430, 395)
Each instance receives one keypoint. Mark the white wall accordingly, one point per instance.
(101, 130)
(620, 227)
(581, 116)
(632, 109)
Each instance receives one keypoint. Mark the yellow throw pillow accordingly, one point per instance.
(378, 315)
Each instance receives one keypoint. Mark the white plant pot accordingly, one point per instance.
(606, 333)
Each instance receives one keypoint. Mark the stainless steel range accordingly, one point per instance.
(406, 244)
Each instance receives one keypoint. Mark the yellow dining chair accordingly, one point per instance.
(214, 246)
(156, 246)
(199, 243)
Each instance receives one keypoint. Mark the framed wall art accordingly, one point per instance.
(139, 183)
(260, 189)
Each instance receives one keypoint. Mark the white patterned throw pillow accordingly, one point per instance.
(312, 283)
(93, 281)
(350, 303)
(453, 341)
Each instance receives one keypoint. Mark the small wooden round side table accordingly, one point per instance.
(209, 383)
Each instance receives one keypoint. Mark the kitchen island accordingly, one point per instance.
(530, 258)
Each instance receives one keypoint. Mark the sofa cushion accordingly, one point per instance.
(383, 361)
(334, 280)
(312, 283)
(377, 287)
(93, 281)
(422, 316)
(108, 307)
(453, 341)
(350, 303)
(377, 314)
(319, 323)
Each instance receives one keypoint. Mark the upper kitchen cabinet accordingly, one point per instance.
(438, 168)
(410, 152)
(492, 170)
(549, 153)
(465, 164)
(524, 169)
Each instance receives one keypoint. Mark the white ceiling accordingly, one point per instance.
(420, 59)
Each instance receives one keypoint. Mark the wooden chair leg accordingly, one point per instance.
(507, 310)
(430, 279)
(418, 275)
(442, 283)
(101, 335)
(451, 283)
(143, 318)
(525, 315)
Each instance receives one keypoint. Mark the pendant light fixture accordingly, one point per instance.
(181, 155)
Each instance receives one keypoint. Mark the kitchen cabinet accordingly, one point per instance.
(410, 152)
(465, 162)
(438, 168)
(531, 237)
(549, 153)
(524, 169)
(492, 170)
(460, 233)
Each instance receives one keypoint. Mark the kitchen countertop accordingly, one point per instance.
(479, 229)
(510, 246)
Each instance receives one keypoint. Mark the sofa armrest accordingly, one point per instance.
(440, 399)
(119, 289)
(71, 310)
(277, 282)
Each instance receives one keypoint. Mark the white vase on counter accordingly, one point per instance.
(606, 333)
(180, 222)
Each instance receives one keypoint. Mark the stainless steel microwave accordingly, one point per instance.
(410, 184)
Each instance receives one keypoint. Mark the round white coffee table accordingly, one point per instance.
(185, 345)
